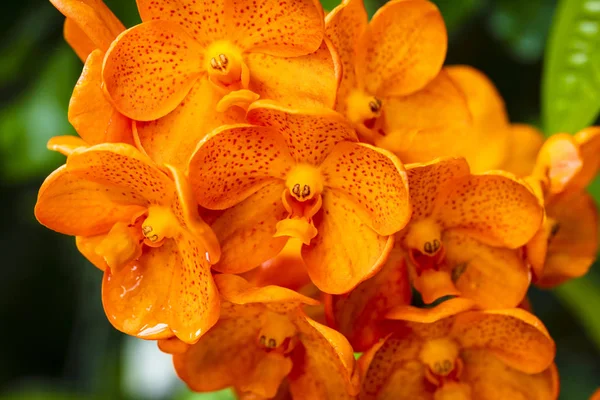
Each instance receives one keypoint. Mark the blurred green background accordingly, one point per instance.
(55, 340)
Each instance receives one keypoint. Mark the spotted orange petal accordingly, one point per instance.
(491, 379)
(93, 19)
(185, 210)
(234, 162)
(324, 367)
(90, 112)
(432, 122)
(572, 248)
(226, 355)
(246, 231)
(426, 179)
(71, 205)
(310, 134)
(494, 208)
(394, 371)
(343, 26)
(346, 251)
(193, 297)
(475, 268)
(276, 78)
(173, 138)
(515, 336)
(374, 180)
(150, 68)
(123, 166)
(402, 49)
(281, 28)
(204, 21)
(358, 314)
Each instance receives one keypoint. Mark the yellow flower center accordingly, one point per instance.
(304, 182)
(363, 110)
(424, 236)
(302, 199)
(161, 223)
(226, 67)
(277, 333)
(441, 356)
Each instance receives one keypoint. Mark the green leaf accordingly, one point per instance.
(571, 83)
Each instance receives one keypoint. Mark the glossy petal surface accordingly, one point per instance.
(136, 299)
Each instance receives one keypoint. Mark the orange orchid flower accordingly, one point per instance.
(90, 27)
(453, 352)
(496, 144)
(524, 145)
(487, 149)
(262, 337)
(140, 226)
(181, 72)
(566, 245)
(393, 88)
(360, 314)
(301, 174)
(290, 260)
(596, 395)
(464, 230)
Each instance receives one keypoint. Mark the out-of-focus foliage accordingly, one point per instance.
(66, 349)
(571, 96)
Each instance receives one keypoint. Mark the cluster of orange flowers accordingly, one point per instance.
(239, 178)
